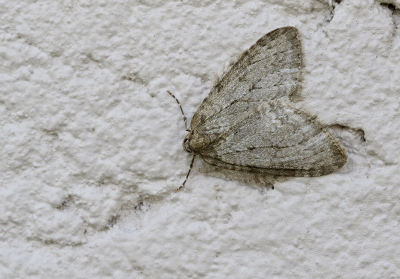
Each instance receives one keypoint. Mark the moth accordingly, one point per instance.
(248, 122)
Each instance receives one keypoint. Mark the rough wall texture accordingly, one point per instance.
(91, 143)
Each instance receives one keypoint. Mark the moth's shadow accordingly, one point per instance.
(255, 180)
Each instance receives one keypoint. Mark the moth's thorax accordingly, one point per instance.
(194, 142)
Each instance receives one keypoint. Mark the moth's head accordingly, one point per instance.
(194, 142)
(185, 144)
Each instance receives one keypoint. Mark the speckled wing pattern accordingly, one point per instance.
(270, 69)
(247, 122)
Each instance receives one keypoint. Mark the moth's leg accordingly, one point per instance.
(190, 168)
(183, 114)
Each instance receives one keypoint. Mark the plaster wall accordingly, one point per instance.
(91, 142)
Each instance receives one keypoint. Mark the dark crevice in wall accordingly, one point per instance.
(332, 11)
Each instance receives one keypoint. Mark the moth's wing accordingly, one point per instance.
(277, 139)
(270, 69)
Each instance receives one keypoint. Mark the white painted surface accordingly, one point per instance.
(91, 143)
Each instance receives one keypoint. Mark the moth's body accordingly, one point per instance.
(248, 123)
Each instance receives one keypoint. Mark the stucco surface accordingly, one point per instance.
(91, 143)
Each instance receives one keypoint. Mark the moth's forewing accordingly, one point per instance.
(277, 139)
(270, 69)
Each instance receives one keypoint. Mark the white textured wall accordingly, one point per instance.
(91, 143)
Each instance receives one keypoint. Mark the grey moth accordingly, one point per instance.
(248, 121)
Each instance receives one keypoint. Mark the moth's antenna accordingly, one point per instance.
(185, 120)
(183, 114)
(190, 168)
